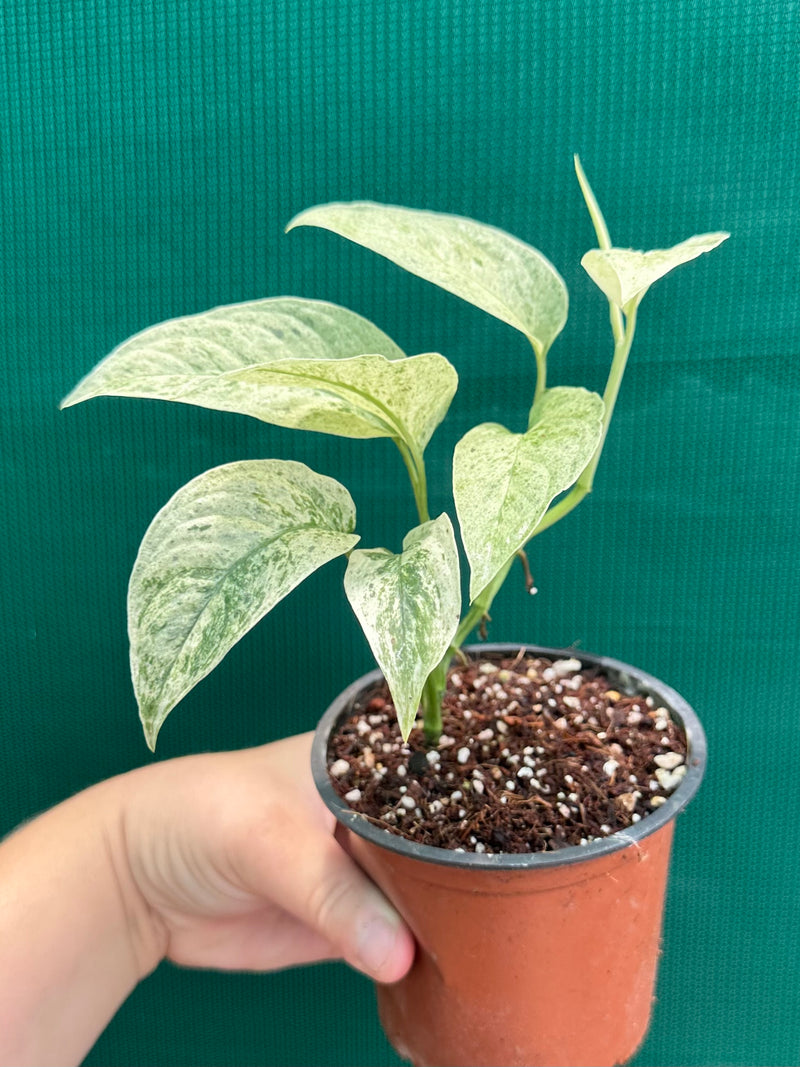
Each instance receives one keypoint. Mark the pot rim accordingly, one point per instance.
(631, 679)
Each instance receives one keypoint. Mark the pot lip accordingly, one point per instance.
(632, 678)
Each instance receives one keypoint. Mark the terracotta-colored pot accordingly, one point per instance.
(524, 960)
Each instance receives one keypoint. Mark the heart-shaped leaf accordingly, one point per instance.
(408, 606)
(625, 275)
(218, 556)
(178, 359)
(483, 265)
(366, 396)
(503, 482)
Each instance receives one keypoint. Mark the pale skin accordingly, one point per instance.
(224, 861)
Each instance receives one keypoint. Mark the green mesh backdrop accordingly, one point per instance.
(150, 157)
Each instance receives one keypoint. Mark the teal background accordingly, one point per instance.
(150, 156)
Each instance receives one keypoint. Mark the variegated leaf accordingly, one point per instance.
(182, 358)
(482, 264)
(503, 482)
(408, 606)
(366, 396)
(625, 275)
(218, 556)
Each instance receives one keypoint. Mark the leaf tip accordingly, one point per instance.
(151, 728)
(301, 218)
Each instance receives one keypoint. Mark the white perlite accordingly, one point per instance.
(668, 760)
(562, 667)
(340, 768)
(668, 780)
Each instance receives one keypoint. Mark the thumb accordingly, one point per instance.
(310, 876)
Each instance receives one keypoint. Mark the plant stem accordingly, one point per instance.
(432, 696)
(584, 483)
(415, 465)
(541, 370)
(480, 605)
(433, 690)
(621, 352)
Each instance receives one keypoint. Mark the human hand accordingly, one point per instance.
(234, 856)
(219, 861)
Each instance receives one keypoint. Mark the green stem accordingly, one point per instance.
(480, 605)
(433, 690)
(432, 696)
(541, 370)
(415, 465)
(583, 486)
(621, 352)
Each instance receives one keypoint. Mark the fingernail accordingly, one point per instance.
(377, 942)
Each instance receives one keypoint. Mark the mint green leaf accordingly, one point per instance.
(483, 265)
(408, 606)
(178, 359)
(625, 275)
(503, 482)
(366, 396)
(218, 556)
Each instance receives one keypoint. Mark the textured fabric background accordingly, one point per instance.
(150, 156)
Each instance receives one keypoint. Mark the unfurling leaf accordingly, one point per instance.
(482, 264)
(408, 606)
(625, 275)
(503, 482)
(218, 556)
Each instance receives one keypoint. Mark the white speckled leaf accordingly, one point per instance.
(181, 358)
(408, 606)
(366, 396)
(503, 482)
(625, 275)
(218, 556)
(483, 265)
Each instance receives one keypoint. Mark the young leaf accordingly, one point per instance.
(625, 275)
(503, 482)
(177, 359)
(218, 556)
(483, 265)
(408, 606)
(366, 396)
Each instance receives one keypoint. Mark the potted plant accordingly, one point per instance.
(516, 803)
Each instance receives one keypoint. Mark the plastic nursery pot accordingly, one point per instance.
(536, 960)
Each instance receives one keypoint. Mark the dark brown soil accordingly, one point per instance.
(535, 755)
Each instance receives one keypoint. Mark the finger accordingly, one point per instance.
(258, 941)
(304, 871)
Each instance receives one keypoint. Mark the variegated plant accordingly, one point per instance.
(234, 541)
